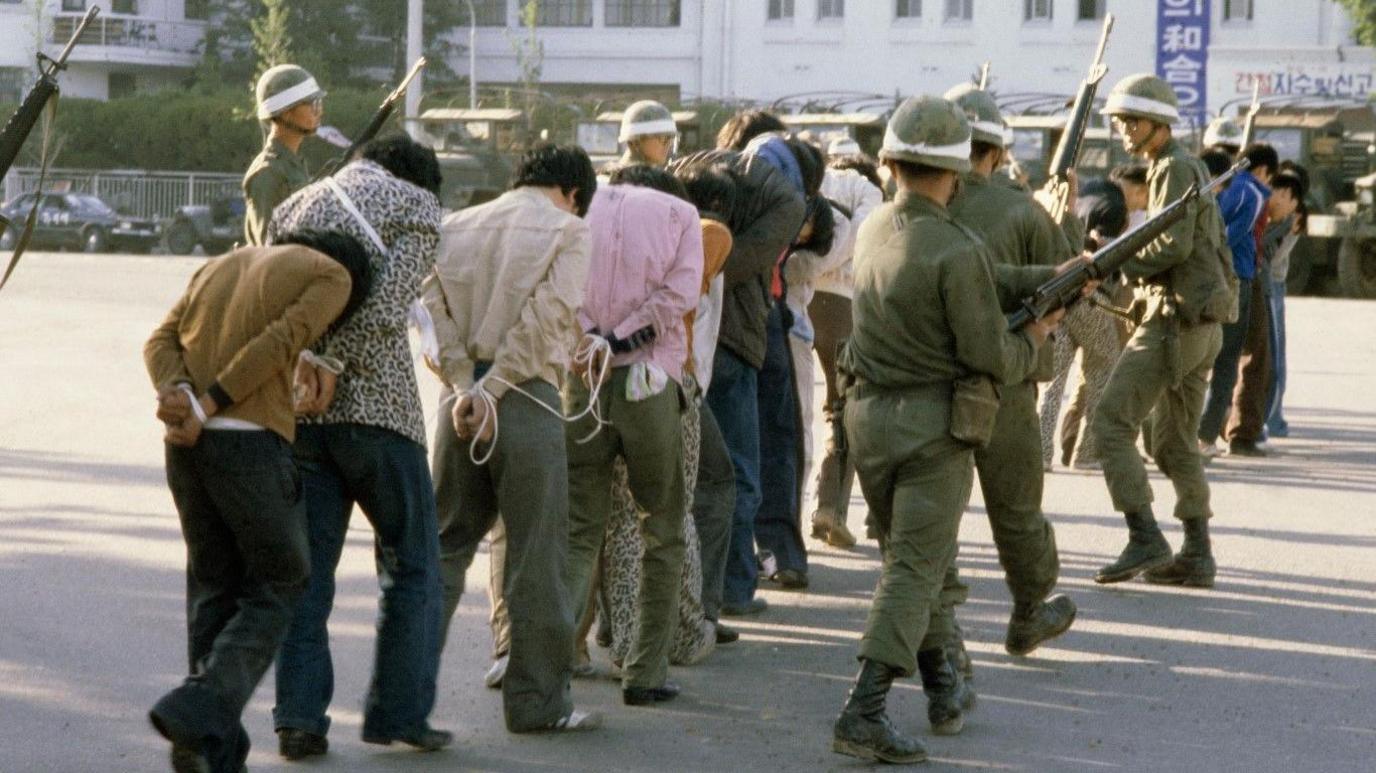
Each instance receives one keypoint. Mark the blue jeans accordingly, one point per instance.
(733, 398)
(388, 477)
(777, 527)
(1225, 371)
(1275, 416)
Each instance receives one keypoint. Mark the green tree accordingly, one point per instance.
(271, 36)
(1363, 13)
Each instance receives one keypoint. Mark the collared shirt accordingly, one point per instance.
(645, 271)
(1242, 204)
(506, 289)
(274, 175)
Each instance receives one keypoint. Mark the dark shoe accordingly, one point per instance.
(1246, 448)
(1147, 548)
(948, 696)
(295, 744)
(790, 578)
(863, 730)
(646, 696)
(751, 607)
(726, 635)
(186, 759)
(1039, 622)
(424, 738)
(1194, 566)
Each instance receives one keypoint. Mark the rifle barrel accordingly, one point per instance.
(81, 26)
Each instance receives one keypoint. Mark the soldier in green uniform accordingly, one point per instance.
(1026, 245)
(649, 132)
(290, 102)
(1185, 288)
(928, 346)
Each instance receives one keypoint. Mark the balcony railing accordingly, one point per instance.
(179, 37)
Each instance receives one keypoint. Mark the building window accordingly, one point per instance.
(1091, 10)
(780, 10)
(907, 9)
(196, 9)
(1237, 10)
(831, 9)
(563, 13)
(490, 13)
(121, 84)
(1036, 10)
(73, 5)
(124, 6)
(643, 13)
(960, 10)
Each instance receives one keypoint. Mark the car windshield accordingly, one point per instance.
(91, 203)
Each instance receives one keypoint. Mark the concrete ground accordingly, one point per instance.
(1273, 670)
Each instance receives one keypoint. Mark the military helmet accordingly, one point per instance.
(283, 87)
(646, 118)
(1223, 131)
(842, 146)
(1143, 96)
(930, 131)
(986, 123)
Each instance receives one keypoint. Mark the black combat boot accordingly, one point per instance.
(1032, 624)
(863, 730)
(1147, 549)
(1194, 565)
(948, 696)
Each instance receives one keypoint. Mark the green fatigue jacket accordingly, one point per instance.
(273, 176)
(1025, 243)
(1191, 262)
(926, 309)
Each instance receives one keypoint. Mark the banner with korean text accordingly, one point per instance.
(1182, 54)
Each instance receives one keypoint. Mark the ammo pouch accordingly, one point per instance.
(974, 407)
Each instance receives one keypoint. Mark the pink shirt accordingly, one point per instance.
(645, 269)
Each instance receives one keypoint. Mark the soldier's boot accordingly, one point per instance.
(863, 730)
(826, 526)
(1147, 549)
(1194, 565)
(948, 696)
(960, 659)
(1032, 624)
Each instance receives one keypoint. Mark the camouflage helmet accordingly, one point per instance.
(986, 123)
(646, 118)
(283, 87)
(1143, 96)
(1223, 131)
(929, 131)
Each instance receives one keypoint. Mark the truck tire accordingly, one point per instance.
(1357, 267)
(181, 238)
(94, 239)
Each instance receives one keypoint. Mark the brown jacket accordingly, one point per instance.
(240, 326)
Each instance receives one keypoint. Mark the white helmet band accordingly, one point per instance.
(285, 99)
(893, 144)
(1118, 103)
(647, 128)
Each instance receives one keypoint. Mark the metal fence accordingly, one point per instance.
(144, 194)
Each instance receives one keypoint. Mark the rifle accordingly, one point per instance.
(984, 76)
(1068, 149)
(379, 119)
(1249, 127)
(1067, 287)
(20, 126)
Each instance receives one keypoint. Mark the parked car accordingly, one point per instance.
(216, 228)
(78, 221)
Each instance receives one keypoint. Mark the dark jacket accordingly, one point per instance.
(769, 213)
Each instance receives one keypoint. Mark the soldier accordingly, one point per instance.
(1185, 288)
(928, 346)
(1026, 244)
(290, 103)
(1223, 134)
(650, 134)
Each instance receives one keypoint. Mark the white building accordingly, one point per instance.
(132, 46)
(767, 49)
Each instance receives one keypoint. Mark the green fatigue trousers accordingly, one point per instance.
(1165, 367)
(526, 480)
(916, 480)
(647, 435)
(1010, 477)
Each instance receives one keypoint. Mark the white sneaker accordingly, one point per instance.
(497, 673)
(1209, 450)
(577, 720)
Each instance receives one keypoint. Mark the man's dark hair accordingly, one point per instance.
(647, 176)
(1288, 181)
(1298, 170)
(981, 150)
(566, 167)
(1216, 161)
(860, 163)
(745, 126)
(406, 159)
(348, 252)
(915, 171)
(1261, 154)
(811, 164)
(712, 188)
(823, 226)
(1103, 208)
(1132, 174)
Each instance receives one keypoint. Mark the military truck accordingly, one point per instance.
(1038, 121)
(599, 136)
(867, 129)
(477, 150)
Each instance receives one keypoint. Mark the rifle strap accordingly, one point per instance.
(25, 236)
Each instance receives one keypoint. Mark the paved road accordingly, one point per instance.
(1274, 670)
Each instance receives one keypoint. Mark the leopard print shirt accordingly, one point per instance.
(378, 386)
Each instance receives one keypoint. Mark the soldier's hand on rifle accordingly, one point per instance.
(1083, 258)
(1042, 329)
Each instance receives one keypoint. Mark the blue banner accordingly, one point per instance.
(1182, 54)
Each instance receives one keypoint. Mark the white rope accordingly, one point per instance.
(587, 355)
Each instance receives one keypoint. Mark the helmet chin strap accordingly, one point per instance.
(1137, 147)
(294, 126)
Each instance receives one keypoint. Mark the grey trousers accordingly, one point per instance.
(526, 480)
